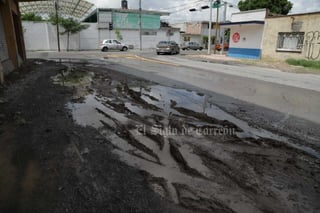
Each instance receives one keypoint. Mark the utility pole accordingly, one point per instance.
(210, 28)
(140, 25)
(217, 26)
(224, 30)
(57, 19)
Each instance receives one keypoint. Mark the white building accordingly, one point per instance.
(124, 21)
(246, 33)
(196, 31)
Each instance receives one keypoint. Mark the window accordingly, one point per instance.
(186, 38)
(291, 42)
(149, 33)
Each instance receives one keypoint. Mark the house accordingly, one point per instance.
(196, 31)
(259, 34)
(246, 33)
(292, 36)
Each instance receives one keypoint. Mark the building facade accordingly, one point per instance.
(246, 33)
(196, 31)
(292, 36)
(12, 50)
(126, 22)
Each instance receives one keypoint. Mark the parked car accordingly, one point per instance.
(191, 45)
(170, 47)
(112, 44)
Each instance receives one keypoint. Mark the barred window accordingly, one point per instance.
(291, 42)
(186, 38)
(149, 33)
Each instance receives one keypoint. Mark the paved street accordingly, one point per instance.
(136, 132)
(289, 93)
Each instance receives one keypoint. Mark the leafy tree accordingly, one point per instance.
(206, 39)
(54, 20)
(275, 6)
(71, 26)
(31, 17)
(118, 34)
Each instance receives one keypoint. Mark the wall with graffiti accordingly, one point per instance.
(292, 36)
(312, 45)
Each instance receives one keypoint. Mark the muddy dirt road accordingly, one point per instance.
(79, 137)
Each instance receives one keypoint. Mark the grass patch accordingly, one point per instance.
(304, 63)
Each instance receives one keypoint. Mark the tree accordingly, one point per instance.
(205, 40)
(70, 26)
(275, 6)
(31, 17)
(118, 34)
(53, 20)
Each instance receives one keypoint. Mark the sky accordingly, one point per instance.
(180, 8)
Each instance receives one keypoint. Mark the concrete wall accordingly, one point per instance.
(89, 39)
(250, 43)
(308, 23)
(131, 37)
(43, 36)
(251, 15)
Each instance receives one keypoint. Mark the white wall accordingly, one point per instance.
(250, 36)
(36, 35)
(181, 26)
(251, 15)
(89, 39)
(43, 36)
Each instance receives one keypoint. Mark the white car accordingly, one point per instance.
(113, 44)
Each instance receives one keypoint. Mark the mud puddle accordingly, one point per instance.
(165, 96)
(192, 152)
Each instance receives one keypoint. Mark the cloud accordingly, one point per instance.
(180, 8)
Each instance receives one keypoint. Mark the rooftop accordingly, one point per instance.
(74, 8)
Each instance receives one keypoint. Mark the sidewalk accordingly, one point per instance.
(267, 63)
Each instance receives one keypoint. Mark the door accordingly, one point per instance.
(112, 45)
(117, 44)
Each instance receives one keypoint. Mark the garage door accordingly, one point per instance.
(3, 43)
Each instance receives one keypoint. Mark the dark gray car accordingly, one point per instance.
(191, 45)
(169, 47)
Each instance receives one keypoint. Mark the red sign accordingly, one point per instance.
(236, 37)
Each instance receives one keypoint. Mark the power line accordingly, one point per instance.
(186, 8)
(189, 4)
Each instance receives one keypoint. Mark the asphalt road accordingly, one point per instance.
(290, 93)
(264, 96)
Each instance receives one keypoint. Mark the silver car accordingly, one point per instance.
(169, 47)
(113, 44)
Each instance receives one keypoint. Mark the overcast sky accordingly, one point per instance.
(180, 8)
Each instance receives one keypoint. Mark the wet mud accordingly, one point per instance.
(189, 152)
(197, 155)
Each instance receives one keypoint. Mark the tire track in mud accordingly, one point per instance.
(201, 172)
